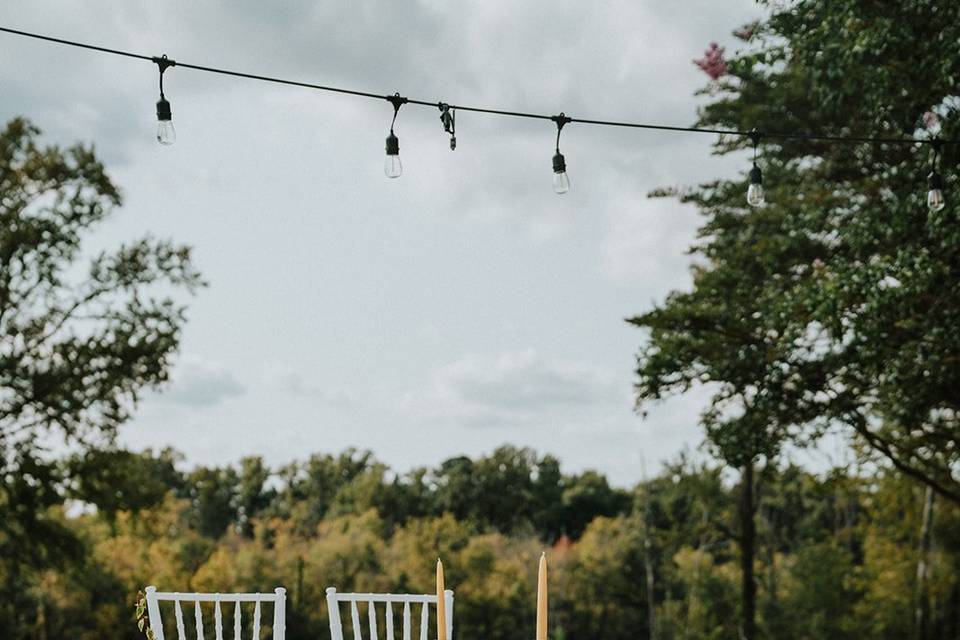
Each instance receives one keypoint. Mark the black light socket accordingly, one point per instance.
(934, 181)
(756, 176)
(559, 163)
(163, 110)
(393, 145)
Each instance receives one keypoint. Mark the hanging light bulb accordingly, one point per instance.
(561, 182)
(755, 195)
(935, 199)
(392, 166)
(166, 134)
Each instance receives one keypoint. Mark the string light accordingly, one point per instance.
(561, 182)
(392, 166)
(166, 134)
(755, 195)
(935, 200)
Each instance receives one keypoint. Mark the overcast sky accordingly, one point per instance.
(460, 307)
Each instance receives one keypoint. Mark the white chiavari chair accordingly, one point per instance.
(406, 603)
(278, 599)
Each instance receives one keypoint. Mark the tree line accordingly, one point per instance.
(842, 554)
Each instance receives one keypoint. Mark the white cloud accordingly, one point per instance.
(512, 388)
(286, 379)
(196, 383)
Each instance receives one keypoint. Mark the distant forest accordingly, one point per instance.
(837, 553)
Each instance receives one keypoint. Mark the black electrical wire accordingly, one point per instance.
(499, 112)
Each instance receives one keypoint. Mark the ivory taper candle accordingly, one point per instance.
(441, 604)
(542, 599)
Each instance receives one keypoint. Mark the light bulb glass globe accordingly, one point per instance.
(166, 134)
(935, 200)
(561, 183)
(392, 167)
(755, 197)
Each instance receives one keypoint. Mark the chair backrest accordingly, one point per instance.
(404, 601)
(278, 598)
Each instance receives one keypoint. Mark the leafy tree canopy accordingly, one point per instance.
(80, 338)
(834, 304)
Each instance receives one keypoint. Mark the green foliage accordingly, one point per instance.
(140, 615)
(80, 338)
(118, 480)
(837, 557)
(709, 604)
(819, 594)
(602, 579)
(213, 495)
(80, 349)
(828, 305)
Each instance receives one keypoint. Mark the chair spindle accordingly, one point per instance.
(256, 619)
(181, 632)
(372, 617)
(388, 617)
(218, 619)
(355, 619)
(198, 616)
(424, 620)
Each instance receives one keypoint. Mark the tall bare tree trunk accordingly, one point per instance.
(922, 612)
(748, 539)
(770, 554)
(648, 562)
(41, 630)
(953, 611)
(648, 558)
(298, 604)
